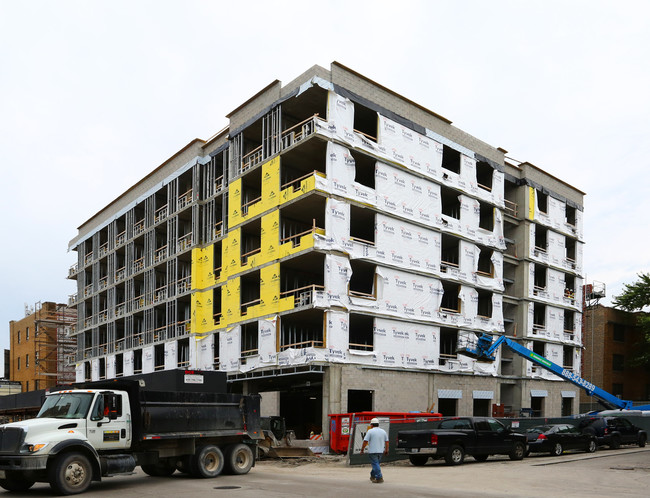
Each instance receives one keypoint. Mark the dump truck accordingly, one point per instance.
(89, 431)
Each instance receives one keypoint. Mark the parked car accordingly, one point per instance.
(556, 438)
(453, 438)
(614, 431)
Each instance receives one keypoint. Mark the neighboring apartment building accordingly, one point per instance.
(611, 339)
(330, 248)
(39, 344)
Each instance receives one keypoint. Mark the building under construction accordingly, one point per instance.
(40, 342)
(329, 249)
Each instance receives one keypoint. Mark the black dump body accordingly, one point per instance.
(159, 414)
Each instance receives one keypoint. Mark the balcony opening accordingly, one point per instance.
(542, 201)
(249, 339)
(251, 189)
(567, 357)
(510, 194)
(160, 323)
(161, 206)
(450, 300)
(215, 175)
(120, 231)
(301, 277)
(484, 175)
(485, 267)
(569, 322)
(484, 303)
(571, 215)
(300, 218)
(119, 335)
(539, 316)
(364, 167)
(250, 290)
(569, 286)
(570, 246)
(87, 371)
(251, 240)
(450, 200)
(216, 351)
(102, 368)
(298, 113)
(362, 225)
(541, 238)
(303, 329)
(448, 345)
(119, 365)
(365, 121)
(362, 280)
(185, 193)
(302, 162)
(486, 216)
(103, 243)
(137, 361)
(159, 357)
(183, 353)
(217, 259)
(185, 235)
(450, 159)
(216, 305)
(361, 332)
(539, 282)
(449, 258)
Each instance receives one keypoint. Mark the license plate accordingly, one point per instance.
(413, 450)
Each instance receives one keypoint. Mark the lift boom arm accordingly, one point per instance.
(485, 350)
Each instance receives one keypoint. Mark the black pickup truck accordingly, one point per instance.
(453, 438)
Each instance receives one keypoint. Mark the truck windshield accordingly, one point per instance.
(67, 405)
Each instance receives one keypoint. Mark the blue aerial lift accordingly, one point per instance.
(484, 350)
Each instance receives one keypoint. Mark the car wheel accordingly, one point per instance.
(642, 440)
(239, 459)
(418, 460)
(207, 462)
(557, 449)
(455, 455)
(70, 474)
(615, 442)
(164, 468)
(518, 451)
(481, 458)
(592, 446)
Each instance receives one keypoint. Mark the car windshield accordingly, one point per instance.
(66, 405)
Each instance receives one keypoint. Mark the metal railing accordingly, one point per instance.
(302, 345)
(161, 213)
(160, 254)
(184, 242)
(138, 227)
(245, 256)
(303, 296)
(295, 239)
(120, 238)
(184, 284)
(185, 199)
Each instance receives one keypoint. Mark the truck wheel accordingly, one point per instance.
(592, 446)
(13, 482)
(557, 450)
(455, 455)
(207, 462)
(161, 469)
(642, 440)
(239, 459)
(70, 474)
(418, 460)
(615, 442)
(518, 451)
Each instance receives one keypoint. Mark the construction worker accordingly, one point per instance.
(376, 440)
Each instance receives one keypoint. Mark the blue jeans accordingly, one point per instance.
(375, 459)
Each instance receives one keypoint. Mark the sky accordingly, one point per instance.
(94, 95)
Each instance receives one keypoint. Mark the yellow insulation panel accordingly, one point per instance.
(270, 183)
(270, 237)
(230, 302)
(234, 203)
(531, 203)
(202, 322)
(202, 267)
(294, 191)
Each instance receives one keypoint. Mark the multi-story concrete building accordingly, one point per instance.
(329, 249)
(612, 338)
(39, 344)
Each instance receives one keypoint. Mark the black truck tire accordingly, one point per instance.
(207, 462)
(239, 459)
(557, 450)
(642, 440)
(518, 451)
(592, 446)
(70, 474)
(164, 468)
(15, 482)
(418, 460)
(455, 455)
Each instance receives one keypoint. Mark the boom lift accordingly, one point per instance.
(484, 350)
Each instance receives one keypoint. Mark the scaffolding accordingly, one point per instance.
(53, 325)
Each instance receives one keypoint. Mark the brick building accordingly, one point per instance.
(329, 249)
(39, 343)
(611, 337)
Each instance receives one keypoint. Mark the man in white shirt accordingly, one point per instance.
(376, 440)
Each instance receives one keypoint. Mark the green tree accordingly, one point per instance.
(636, 297)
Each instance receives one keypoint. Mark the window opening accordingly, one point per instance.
(484, 175)
(361, 332)
(450, 159)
